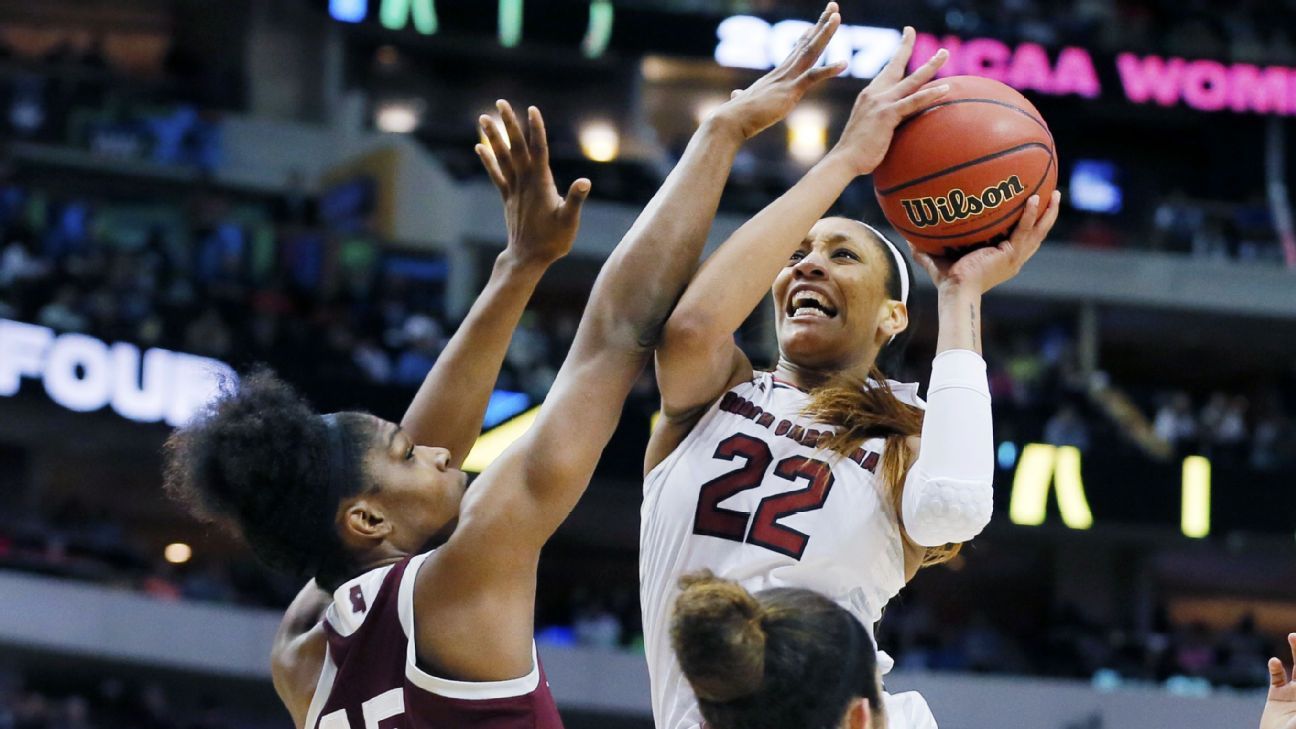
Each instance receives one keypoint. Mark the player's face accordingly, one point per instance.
(417, 489)
(831, 298)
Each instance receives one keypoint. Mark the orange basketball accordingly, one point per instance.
(959, 172)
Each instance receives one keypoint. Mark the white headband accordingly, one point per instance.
(901, 269)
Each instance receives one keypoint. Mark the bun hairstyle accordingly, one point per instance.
(866, 410)
(785, 658)
(719, 638)
(260, 462)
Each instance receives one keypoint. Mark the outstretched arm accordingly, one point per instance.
(485, 575)
(635, 292)
(449, 407)
(693, 363)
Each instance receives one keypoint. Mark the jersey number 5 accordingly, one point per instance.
(381, 712)
(713, 521)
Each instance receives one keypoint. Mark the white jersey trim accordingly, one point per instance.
(444, 687)
(345, 621)
(323, 687)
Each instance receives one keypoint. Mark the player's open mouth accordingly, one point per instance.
(804, 303)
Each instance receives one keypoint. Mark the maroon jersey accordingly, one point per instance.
(371, 679)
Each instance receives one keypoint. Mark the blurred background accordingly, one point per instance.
(189, 185)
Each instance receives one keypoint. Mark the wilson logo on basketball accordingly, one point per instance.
(957, 205)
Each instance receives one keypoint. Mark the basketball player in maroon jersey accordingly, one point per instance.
(415, 639)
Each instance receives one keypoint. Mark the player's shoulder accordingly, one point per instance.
(907, 393)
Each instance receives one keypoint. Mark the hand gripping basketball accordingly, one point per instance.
(959, 171)
(985, 268)
(884, 103)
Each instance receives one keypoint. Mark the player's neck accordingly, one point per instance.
(382, 556)
(808, 378)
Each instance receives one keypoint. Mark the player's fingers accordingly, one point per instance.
(576, 195)
(1050, 216)
(925, 73)
(794, 59)
(734, 94)
(517, 138)
(817, 43)
(895, 68)
(539, 138)
(492, 167)
(1291, 641)
(1277, 674)
(1027, 237)
(1030, 215)
(928, 264)
(817, 76)
(916, 102)
(499, 146)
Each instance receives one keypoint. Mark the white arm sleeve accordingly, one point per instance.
(947, 493)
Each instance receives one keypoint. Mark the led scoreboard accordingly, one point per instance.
(430, 17)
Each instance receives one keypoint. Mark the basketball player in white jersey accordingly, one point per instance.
(814, 475)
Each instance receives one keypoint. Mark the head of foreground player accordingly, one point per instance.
(841, 301)
(784, 658)
(324, 496)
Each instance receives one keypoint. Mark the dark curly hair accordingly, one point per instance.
(261, 461)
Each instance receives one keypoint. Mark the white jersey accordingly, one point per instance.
(744, 495)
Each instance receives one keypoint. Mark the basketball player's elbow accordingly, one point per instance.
(691, 330)
(939, 511)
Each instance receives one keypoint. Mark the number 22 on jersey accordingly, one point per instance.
(765, 531)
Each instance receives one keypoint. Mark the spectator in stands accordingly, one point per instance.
(1244, 652)
(597, 626)
(1194, 653)
(983, 645)
(1272, 434)
(373, 361)
(64, 313)
(209, 335)
(1067, 428)
(18, 264)
(1175, 423)
(422, 334)
(1223, 426)
(1176, 222)
(1026, 367)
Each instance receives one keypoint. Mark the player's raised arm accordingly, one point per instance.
(449, 407)
(641, 282)
(697, 345)
(636, 290)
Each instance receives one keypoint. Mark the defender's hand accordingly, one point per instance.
(542, 225)
(774, 95)
(982, 270)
